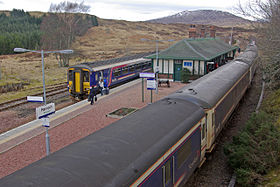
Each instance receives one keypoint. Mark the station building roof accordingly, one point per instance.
(204, 49)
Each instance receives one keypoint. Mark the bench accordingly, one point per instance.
(164, 82)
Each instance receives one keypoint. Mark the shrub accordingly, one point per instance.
(255, 151)
(185, 75)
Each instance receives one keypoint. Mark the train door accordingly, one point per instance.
(168, 172)
(86, 84)
(177, 70)
(210, 115)
(203, 138)
(77, 81)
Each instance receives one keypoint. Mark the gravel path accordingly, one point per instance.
(68, 132)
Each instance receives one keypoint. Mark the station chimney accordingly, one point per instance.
(202, 32)
(192, 31)
(212, 31)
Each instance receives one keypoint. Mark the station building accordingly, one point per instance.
(198, 55)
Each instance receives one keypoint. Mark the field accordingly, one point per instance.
(111, 39)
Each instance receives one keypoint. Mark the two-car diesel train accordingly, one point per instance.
(84, 76)
(159, 145)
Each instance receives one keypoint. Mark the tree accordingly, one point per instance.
(62, 25)
(266, 16)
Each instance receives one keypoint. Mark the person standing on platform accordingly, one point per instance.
(101, 86)
(92, 94)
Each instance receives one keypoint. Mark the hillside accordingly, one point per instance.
(212, 17)
(115, 38)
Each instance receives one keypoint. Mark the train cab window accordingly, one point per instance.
(86, 76)
(70, 75)
(166, 173)
(183, 154)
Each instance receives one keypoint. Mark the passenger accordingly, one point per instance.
(106, 89)
(101, 86)
(92, 94)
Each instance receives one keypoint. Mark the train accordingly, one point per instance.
(160, 145)
(82, 77)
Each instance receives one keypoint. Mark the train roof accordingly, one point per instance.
(209, 89)
(116, 155)
(103, 64)
(248, 56)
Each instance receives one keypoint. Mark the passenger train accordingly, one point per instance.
(83, 76)
(159, 145)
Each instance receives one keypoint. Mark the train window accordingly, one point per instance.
(101, 74)
(183, 154)
(203, 131)
(132, 68)
(116, 72)
(70, 75)
(213, 118)
(125, 70)
(86, 76)
(96, 77)
(167, 171)
(138, 67)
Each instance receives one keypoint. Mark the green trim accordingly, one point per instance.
(162, 63)
(199, 67)
(205, 68)
(193, 67)
(168, 68)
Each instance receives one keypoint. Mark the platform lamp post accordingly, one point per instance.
(157, 67)
(42, 52)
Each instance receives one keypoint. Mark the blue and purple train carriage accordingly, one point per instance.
(83, 76)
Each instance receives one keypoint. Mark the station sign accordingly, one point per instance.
(151, 84)
(146, 75)
(35, 99)
(44, 111)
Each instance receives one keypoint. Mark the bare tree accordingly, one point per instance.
(62, 24)
(266, 16)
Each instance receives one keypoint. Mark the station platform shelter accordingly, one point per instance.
(198, 55)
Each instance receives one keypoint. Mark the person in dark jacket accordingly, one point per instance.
(92, 94)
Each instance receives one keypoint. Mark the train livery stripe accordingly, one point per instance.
(160, 161)
(129, 75)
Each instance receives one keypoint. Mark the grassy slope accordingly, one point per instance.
(109, 40)
(272, 105)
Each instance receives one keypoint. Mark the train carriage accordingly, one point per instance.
(219, 92)
(143, 149)
(84, 76)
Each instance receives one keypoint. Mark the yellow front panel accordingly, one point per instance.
(77, 82)
(70, 86)
(86, 87)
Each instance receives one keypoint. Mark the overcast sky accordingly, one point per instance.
(131, 10)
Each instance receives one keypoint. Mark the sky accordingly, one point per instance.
(130, 10)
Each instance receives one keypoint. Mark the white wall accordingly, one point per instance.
(202, 67)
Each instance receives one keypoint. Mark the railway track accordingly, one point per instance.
(50, 91)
